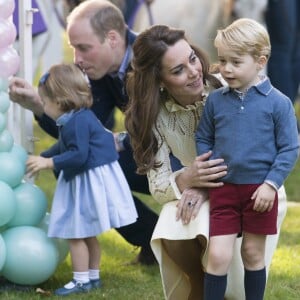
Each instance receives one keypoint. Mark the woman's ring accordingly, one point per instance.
(191, 204)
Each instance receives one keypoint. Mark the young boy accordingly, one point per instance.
(252, 126)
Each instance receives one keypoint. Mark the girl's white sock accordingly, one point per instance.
(94, 274)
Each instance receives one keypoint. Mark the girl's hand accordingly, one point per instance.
(264, 197)
(36, 163)
(190, 203)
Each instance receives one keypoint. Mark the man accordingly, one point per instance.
(102, 49)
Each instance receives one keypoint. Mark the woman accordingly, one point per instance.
(167, 90)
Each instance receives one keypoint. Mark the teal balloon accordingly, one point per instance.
(44, 224)
(20, 152)
(8, 203)
(4, 102)
(63, 249)
(6, 141)
(31, 205)
(31, 257)
(3, 84)
(2, 252)
(62, 245)
(12, 170)
(3, 121)
(3, 228)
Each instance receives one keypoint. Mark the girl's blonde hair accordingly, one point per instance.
(245, 36)
(67, 85)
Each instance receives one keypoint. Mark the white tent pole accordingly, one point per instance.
(22, 119)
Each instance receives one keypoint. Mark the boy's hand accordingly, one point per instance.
(264, 198)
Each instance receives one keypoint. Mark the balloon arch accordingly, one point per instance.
(19, 121)
(27, 255)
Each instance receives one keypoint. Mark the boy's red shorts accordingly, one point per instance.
(231, 211)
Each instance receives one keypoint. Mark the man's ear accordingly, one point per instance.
(113, 38)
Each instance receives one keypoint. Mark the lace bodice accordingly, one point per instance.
(177, 126)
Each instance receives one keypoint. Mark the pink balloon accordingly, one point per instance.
(7, 8)
(8, 33)
(9, 62)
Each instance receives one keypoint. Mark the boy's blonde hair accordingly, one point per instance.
(245, 36)
(67, 85)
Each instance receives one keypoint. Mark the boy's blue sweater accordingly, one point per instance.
(256, 136)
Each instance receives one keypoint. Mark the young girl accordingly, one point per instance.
(92, 194)
(253, 127)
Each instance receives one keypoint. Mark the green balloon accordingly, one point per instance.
(6, 141)
(31, 205)
(8, 203)
(2, 252)
(4, 102)
(12, 170)
(31, 257)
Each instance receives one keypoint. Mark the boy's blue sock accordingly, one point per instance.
(255, 283)
(214, 286)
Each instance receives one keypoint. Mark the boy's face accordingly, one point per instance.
(240, 71)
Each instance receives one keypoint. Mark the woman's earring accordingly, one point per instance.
(161, 89)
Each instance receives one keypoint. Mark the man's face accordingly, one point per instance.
(93, 56)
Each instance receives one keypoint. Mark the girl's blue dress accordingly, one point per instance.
(92, 202)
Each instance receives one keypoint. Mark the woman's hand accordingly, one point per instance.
(21, 92)
(202, 173)
(190, 203)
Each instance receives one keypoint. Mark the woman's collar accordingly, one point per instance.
(172, 106)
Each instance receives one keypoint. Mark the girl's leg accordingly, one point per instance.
(79, 255)
(220, 251)
(80, 264)
(187, 254)
(94, 261)
(94, 251)
(253, 255)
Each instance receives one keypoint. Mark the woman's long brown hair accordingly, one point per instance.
(145, 98)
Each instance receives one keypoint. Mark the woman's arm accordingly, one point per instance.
(200, 174)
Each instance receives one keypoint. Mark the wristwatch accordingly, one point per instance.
(120, 140)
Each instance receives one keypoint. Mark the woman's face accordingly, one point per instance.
(182, 73)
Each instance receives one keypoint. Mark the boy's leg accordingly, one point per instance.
(224, 226)
(253, 254)
(220, 252)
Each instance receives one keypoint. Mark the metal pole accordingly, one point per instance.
(21, 122)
